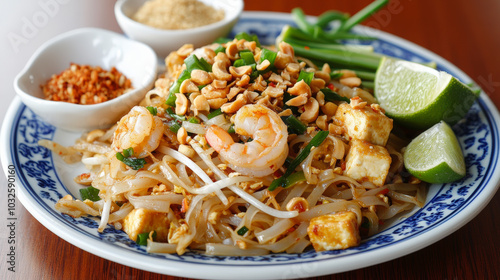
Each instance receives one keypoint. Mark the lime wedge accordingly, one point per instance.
(418, 96)
(435, 156)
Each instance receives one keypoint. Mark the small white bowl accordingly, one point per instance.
(164, 41)
(94, 47)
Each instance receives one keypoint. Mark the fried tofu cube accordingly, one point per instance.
(142, 220)
(367, 162)
(367, 123)
(334, 232)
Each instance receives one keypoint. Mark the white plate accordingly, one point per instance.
(43, 179)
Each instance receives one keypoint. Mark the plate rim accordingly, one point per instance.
(105, 250)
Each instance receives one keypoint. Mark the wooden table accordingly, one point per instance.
(465, 32)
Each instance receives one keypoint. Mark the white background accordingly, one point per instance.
(26, 24)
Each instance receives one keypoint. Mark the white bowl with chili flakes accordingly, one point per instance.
(75, 70)
(166, 28)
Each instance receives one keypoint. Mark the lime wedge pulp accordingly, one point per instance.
(419, 96)
(435, 155)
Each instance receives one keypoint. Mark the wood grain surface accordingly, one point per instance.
(465, 32)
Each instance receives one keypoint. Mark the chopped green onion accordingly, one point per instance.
(242, 230)
(152, 110)
(176, 86)
(214, 113)
(293, 179)
(248, 37)
(134, 163)
(174, 126)
(194, 120)
(231, 129)
(330, 95)
(306, 76)
(192, 62)
(362, 15)
(335, 75)
(128, 152)
(90, 193)
(219, 49)
(294, 125)
(176, 117)
(315, 142)
(142, 238)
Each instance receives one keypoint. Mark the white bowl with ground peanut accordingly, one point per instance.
(166, 25)
(86, 78)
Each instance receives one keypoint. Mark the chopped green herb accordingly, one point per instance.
(214, 113)
(192, 62)
(231, 129)
(142, 238)
(294, 125)
(219, 49)
(152, 110)
(331, 95)
(194, 120)
(90, 193)
(248, 37)
(315, 142)
(293, 179)
(128, 152)
(134, 163)
(242, 230)
(306, 76)
(336, 75)
(174, 116)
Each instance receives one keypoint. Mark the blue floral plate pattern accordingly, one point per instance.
(44, 178)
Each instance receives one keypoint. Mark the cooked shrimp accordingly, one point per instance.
(261, 156)
(139, 130)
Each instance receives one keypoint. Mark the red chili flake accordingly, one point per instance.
(292, 229)
(342, 165)
(307, 48)
(272, 84)
(331, 87)
(380, 222)
(384, 191)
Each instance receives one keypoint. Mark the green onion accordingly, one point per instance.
(269, 55)
(315, 142)
(325, 18)
(231, 129)
(214, 113)
(219, 49)
(242, 230)
(152, 110)
(330, 95)
(90, 193)
(362, 15)
(128, 152)
(293, 179)
(247, 37)
(335, 75)
(192, 62)
(306, 76)
(174, 116)
(294, 125)
(134, 163)
(176, 86)
(142, 238)
(301, 21)
(174, 126)
(194, 120)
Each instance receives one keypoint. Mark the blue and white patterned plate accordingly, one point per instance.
(43, 179)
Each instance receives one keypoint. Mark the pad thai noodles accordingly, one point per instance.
(241, 149)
